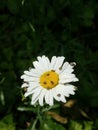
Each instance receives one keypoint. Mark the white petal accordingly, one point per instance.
(55, 94)
(28, 93)
(27, 79)
(31, 92)
(23, 76)
(41, 97)
(50, 97)
(34, 72)
(24, 85)
(36, 94)
(67, 68)
(60, 94)
(67, 89)
(38, 67)
(59, 62)
(32, 84)
(30, 88)
(44, 61)
(62, 90)
(36, 89)
(67, 78)
(73, 64)
(28, 73)
(62, 98)
(53, 61)
(47, 97)
(34, 101)
(70, 89)
(67, 75)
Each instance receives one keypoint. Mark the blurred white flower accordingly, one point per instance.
(49, 80)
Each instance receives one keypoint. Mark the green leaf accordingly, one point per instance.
(13, 6)
(75, 126)
(51, 125)
(7, 123)
(2, 4)
(96, 124)
(26, 109)
(88, 125)
(85, 125)
(2, 100)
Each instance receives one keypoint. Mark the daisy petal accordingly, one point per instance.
(55, 95)
(31, 92)
(28, 79)
(67, 78)
(45, 62)
(47, 97)
(62, 98)
(28, 73)
(52, 64)
(67, 68)
(50, 98)
(41, 97)
(30, 88)
(59, 62)
(37, 93)
(34, 101)
(70, 89)
(24, 85)
(38, 67)
(34, 72)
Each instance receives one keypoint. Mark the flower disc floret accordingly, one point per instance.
(49, 79)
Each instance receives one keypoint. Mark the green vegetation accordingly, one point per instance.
(29, 28)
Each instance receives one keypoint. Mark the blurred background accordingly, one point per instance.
(31, 28)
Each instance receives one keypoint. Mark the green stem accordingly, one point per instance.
(39, 114)
(34, 124)
(50, 107)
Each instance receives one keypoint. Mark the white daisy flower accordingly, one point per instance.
(49, 80)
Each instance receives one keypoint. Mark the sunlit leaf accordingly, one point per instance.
(7, 123)
(75, 125)
(70, 103)
(51, 125)
(57, 117)
(88, 125)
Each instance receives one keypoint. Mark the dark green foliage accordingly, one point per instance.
(7, 123)
(50, 125)
(29, 28)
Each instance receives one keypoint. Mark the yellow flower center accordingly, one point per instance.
(49, 79)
